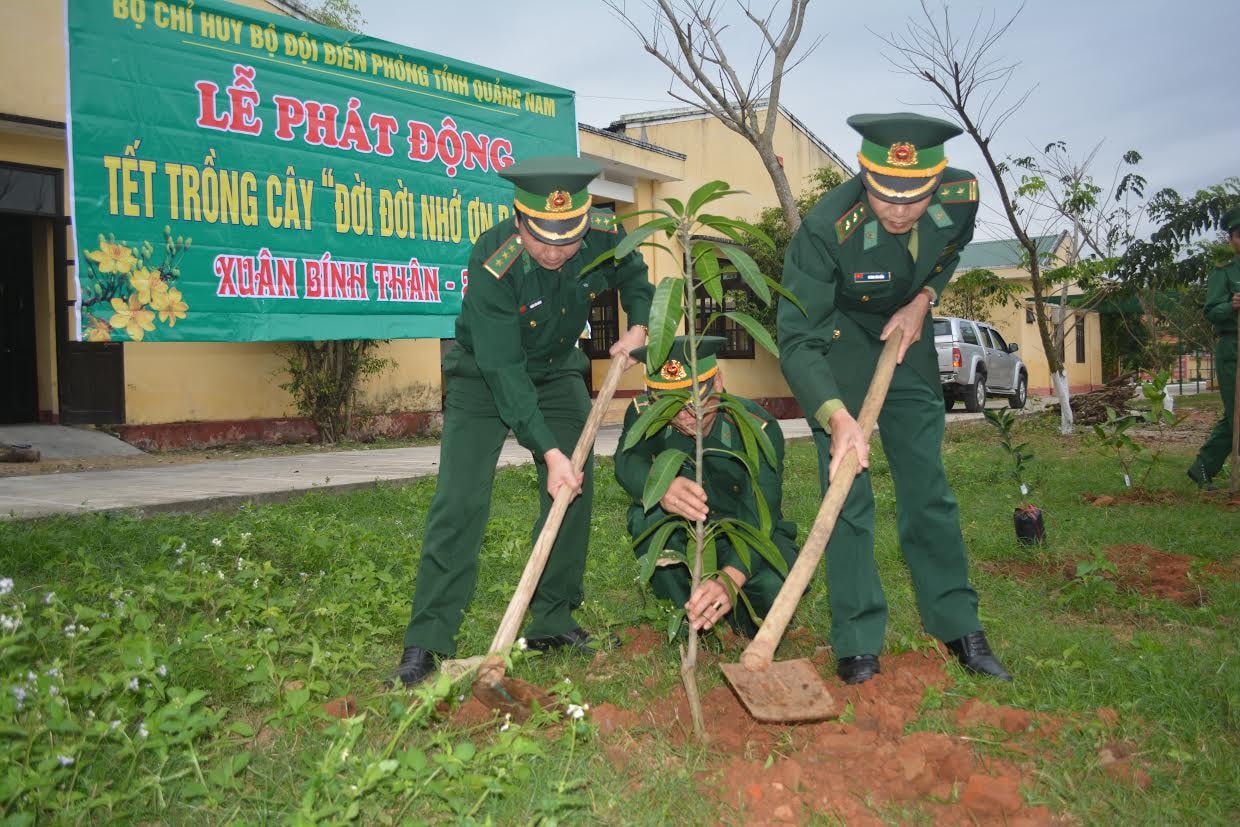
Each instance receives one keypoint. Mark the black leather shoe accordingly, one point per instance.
(975, 656)
(1198, 475)
(576, 639)
(858, 668)
(416, 665)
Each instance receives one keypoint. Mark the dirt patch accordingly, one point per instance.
(859, 769)
(1140, 569)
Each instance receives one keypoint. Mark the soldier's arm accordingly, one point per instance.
(491, 310)
(810, 274)
(1218, 297)
(946, 265)
(631, 278)
(633, 465)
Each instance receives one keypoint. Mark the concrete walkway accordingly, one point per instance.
(218, 484)
(62, 442)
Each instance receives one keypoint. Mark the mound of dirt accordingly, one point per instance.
(856, 771)
(1141, 569)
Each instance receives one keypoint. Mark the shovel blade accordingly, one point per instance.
(512, 696)
(789, 691)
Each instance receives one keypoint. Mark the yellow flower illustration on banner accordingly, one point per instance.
(132, 317)
(112, 257)
(97, 330)
(168, 303)
(146, 282)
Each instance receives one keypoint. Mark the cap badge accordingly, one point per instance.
(559, 201)
(902, 154)
(672, 371)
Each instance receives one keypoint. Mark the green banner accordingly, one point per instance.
(241, 176)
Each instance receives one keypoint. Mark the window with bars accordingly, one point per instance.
(1080, 340)
(604, 325)
(739, 343)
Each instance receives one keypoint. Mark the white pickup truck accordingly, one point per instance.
(975, 362)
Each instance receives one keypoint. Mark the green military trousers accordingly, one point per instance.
(1217, 448)
(473, 435)
(927, 520)
(762, 584)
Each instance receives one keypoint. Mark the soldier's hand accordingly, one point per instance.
(1235, 301)
(634, 337)
(560, 472)
(846, 436)
(686, 498)
(711, 601)
(908, 318)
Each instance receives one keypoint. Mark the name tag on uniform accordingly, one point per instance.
(525, 308)
(867, 278)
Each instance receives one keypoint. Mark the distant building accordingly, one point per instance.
(1082, 341)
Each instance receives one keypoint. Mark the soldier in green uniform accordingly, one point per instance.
(516, 365)
(871, 257)
(726, 492)
(1222, 304)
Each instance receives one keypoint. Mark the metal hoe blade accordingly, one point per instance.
(787, 691)
(512, 696)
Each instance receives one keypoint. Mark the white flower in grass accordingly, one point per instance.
(162, 671)
(180, 549)
(143, 732)
(521, 644)
(133, 684)
(48, 598)
(10, 624)
(65, 760)
(6, 585)
(576, 712)
(19, 692)
(53, 690)
(115, 725)
(217, 542)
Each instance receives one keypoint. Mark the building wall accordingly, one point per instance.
(1010, 321)
(230, 381)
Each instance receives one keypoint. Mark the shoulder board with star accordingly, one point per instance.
(502, 259)
(958, 192)
(849, 222)
(603, 221)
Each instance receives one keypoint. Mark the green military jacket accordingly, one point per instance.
(519, 324)
(726, 480)
(852, 275)
(1223, 281)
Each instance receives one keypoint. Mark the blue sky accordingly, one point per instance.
(1148, 75)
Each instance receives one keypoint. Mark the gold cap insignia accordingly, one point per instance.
(672, 371)
(902, 154)
(559, 201)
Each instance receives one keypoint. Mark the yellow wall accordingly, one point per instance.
(203, 381)
(1010, 321)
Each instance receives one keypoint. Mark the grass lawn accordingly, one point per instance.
(228, 668)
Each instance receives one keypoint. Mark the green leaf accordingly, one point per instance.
(764, 545)
(739, 457)
(764, 509)
(677, 205)
(785, 292)
(705, 194)
(743, 418)
(655, 417)
(665, 315)
(629, 243)
(601, 258)
(740, 546)
(673, 622)
(757, 331)
(651, 529)
(659, 544)
(666, 468)
(706, 265)
(749, 271)
(710, 556)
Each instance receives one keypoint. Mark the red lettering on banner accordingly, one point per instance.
(335, 280)
(260, 277)
(406, 282)
(243, 101)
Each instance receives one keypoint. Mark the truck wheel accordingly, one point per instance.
(1018, 398)
(975, 395)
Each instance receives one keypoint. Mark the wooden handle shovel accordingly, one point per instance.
(490, 687)
(792, 690)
